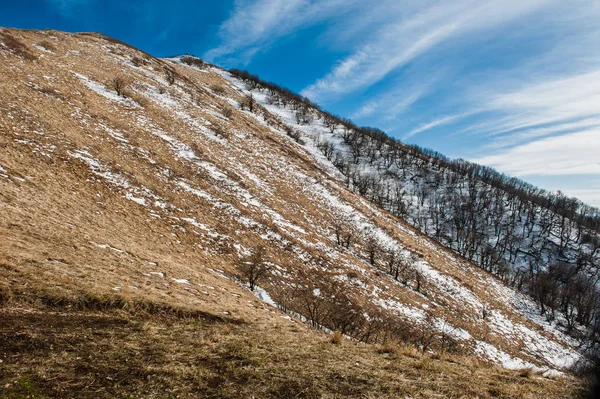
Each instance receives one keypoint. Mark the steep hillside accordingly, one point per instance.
(542, 243)
(134, 192)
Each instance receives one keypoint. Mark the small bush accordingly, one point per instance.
(248, 103)
(137, 61)
(119, 84)
(141, 100)
(5, 295)
(526, 373)
(196, 149)
(169, 76)
(410, 351)
(49, 91)
(193, 61)
(16, 47)
(294, 134)
(352, 274)
(47, 45)
(218, 89)
(221, 132)
(387, 349)
(253, 268)
(336, 338)
(226, 112)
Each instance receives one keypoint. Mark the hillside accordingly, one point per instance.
(132, 192)
(542, 243)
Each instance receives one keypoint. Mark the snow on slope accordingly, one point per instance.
(560, 356)
(216, 196)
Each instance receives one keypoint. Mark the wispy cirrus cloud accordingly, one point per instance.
(391, 104)
(255, 25)
(558, 100)
(411, 32)
(436, 122)
(568, 154)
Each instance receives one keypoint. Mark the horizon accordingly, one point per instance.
(508, 85)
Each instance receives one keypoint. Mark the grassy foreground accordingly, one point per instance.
(50, 349)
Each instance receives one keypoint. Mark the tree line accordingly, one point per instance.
(542, 243)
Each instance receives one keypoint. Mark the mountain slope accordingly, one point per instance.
(539, 242)
(132, 187)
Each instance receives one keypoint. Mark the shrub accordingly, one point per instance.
(217, 89)
(137, 61)
(253, 268)
(5, 295)
(226, 112)
(294, 134)
(47, 45)
(336, 338)
(169, 76)
(248, 103)
(198, 152)
(352, 274)
(119, 84)
(387, 349)
(196, 99)
(193, 61)
(526, 372)
(221, 132)
(16, 47)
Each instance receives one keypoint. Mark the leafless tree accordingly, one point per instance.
(119, 84)
(248, 103)
(169, 76)
(253, 268)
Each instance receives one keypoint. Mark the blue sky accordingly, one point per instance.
(514, 84)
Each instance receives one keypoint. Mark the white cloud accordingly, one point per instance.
(537, 99)
(436, 122)
(392, 103)
(255, 25)
(590, 196)
(564, 99)
(569, 154)
(504, 141)
(409, 34)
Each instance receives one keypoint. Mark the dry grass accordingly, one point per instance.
(50, 352)
(5, 295)
(16, 46)
(218, 89)
(48, 45)
(149, 332)
(226, 112)
(336, 338)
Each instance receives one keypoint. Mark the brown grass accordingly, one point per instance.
(49, 352)
(226, 112)
(5, 295)
(336, 338)
(49, 222)
(218, 89)
(16, 46)
(47, 45)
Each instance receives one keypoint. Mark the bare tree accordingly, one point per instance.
(372, 246)
(344, 230)
(169, 76)
(247, 103)
(253, 268)
(326, 147)
(119, 84)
